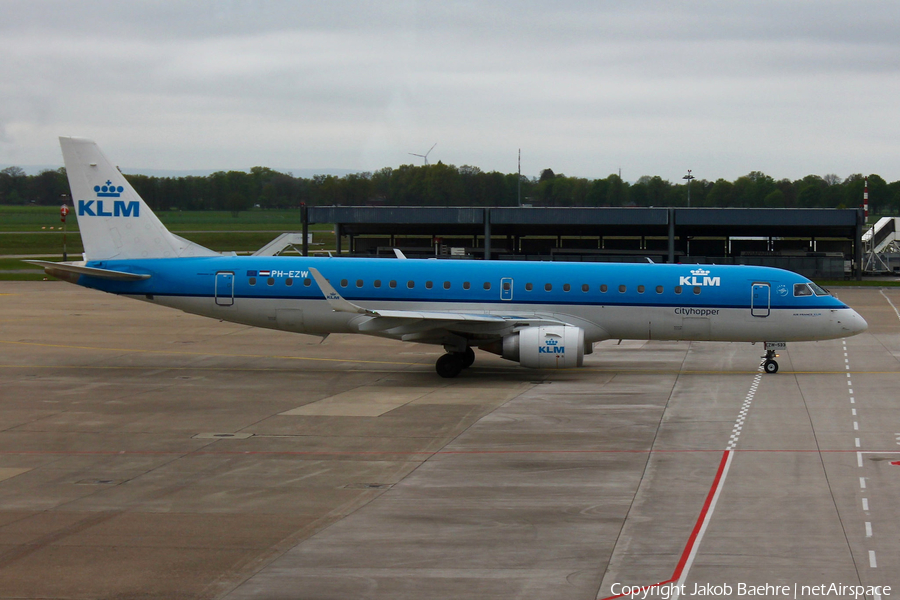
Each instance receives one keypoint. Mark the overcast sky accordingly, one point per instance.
(655, 88)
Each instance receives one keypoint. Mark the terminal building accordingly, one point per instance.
(820, 243)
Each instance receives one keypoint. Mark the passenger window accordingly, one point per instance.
(410, 284)
(288, 282)
(697, 290)
(566, 287)
(393, 283)
(659, 289)
(307, 282)
(446, 285)
(585, 287)
(622, 289)
(271, 281)
(428, 285)
(344, 283)
(253, 281)
(359, 283)
(640, 289)
(548, 286)
(466, 285)
(529, 287)
(377, 283)
(487, 285)
(603, 288)
(801, 289)
(677, 289)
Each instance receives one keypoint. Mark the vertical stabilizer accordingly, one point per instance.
(114, 220)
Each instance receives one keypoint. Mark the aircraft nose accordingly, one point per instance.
(853, 323)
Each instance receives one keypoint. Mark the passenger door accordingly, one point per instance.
(760, 299)
(224, 288)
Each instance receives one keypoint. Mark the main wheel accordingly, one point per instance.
(770, 366)
(449, 365)
(468, 357)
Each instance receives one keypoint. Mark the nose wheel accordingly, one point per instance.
(451, 364)
(770, 365)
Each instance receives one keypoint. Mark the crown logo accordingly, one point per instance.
(108, 190)
(551, 342)
(700, 272)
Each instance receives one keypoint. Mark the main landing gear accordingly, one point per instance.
(451, 364)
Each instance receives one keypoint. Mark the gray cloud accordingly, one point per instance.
(584, 88)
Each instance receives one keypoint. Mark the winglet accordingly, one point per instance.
(335, 300)
(398, 253)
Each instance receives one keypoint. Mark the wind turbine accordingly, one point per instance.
(424, 156)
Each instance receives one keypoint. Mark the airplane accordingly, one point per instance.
(544, 315)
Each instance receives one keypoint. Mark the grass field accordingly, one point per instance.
(27, 230)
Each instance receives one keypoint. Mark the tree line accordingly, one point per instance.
(447, 185)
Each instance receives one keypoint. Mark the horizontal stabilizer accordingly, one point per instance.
(61, 270)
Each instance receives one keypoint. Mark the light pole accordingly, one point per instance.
(689, 178)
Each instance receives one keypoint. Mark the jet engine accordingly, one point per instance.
(544, 347)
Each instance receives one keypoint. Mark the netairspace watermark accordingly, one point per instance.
(767, 590)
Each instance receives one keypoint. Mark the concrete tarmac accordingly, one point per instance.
(146, 453)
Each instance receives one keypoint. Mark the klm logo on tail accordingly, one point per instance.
(120, 208)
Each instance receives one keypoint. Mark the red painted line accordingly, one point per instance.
(896, 463)
(187, 452)
(696, 531)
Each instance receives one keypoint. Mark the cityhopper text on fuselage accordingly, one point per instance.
(542, 315)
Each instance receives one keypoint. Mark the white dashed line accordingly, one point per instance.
(872, 562)
(862, 483)
(857, 442)
(855, 425)
(868, 529)
(853, 411)
(859, 462)
(865, 504)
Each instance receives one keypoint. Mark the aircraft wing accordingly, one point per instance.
(418, 324)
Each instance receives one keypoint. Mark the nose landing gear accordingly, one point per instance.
(770, 365)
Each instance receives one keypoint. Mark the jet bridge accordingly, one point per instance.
(879, 240)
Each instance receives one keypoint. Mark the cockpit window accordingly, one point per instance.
(819, 290)
(801, 289)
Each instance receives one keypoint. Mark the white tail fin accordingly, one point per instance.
(115, 222)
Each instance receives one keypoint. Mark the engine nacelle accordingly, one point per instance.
(546, 347)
